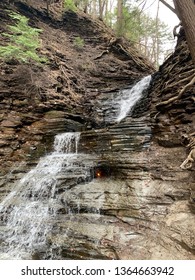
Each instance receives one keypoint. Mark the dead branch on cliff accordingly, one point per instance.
(134, 55)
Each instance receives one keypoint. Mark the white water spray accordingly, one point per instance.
(129, 97)
(28, 211)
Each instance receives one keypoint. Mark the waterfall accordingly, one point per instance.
(28, 210)
(118, 105)
(28, 213)
(66, 142)
(129, 97)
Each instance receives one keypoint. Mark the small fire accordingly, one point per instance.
(98, 174)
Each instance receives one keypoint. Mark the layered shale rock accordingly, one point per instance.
(126, 196)
(37, 101)
(173, 121)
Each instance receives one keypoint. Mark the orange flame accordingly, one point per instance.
(98, 174)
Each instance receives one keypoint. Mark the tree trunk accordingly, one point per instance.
(157, 45)
(48, 3)
(119, 17)
(101, 8)
(186, 13)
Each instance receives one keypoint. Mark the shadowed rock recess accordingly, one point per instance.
(76, 181)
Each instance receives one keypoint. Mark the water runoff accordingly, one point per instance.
(121, 104)
(28, 212)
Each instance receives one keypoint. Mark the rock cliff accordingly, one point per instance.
(39, 101)
(142, 205)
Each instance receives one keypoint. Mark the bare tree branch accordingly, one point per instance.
(168, 6)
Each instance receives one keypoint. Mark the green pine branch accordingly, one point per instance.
(23, 41)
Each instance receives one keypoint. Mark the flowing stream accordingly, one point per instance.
(28, 211)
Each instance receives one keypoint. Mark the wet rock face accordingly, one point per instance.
(127, 220)
(28, 120)
(140, 205)
(120, 148)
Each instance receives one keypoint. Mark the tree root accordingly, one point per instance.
(188, 162)
(103, 53)
(184, 73)
(186, 87)
(179, 82)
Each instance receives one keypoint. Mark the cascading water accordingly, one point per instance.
(120, 104)
(130, 97)
(28, 210)
(28, 213)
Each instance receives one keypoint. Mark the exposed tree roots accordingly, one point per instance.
(184, 89)
(103, 53)
(188, 162)
(173, 102)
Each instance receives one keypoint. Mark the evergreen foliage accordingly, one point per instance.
(79, 43)
(23, 41)
(69, 5)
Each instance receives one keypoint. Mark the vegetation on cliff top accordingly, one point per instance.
(23, 41)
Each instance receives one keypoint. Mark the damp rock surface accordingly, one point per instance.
(123, 195)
